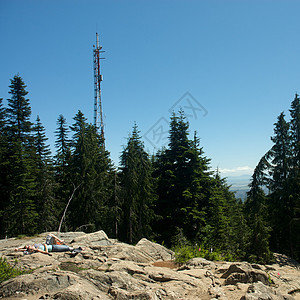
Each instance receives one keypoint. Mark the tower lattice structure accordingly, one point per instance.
(98, 114)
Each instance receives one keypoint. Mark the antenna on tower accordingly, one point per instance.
(98, 115)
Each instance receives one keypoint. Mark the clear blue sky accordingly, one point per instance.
(238, 60)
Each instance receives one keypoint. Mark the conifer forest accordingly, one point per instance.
(172, 197)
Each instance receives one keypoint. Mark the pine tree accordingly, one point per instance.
(42, 149)
(90, 170)
(64, 187)
(20, 215)
(197, 191)
(241, 232)
(295, 132)
(2, 118)
(279, 171)
(256, 211)
(62, 145)
(114, 211)
(77, 166)
(218, 218)
(172, 179)
(279, 185)
(137, 189)
(19, 111)
(183, 183)
(4, 170)
(294, 199)
(45, 198)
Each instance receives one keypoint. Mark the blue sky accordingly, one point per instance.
(233, 66)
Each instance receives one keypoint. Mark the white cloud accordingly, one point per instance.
(237, 170)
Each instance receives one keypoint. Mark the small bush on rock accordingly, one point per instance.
(8, 271)
(187, 252)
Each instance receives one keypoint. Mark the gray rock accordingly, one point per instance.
(200, 263)
(98, 238)
(259, 291)
(154, 250)
(243, 272)
(108, 269)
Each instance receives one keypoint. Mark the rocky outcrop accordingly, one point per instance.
(244, 273)
(108, 269)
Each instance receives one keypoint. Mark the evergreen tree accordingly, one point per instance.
(279, 171)
(137, 189)
(218, 215)
(2, 118)
(4, 170)
(19, 111)
(20, 215)
(42, 149)
(197, 191)
(62, 145)
(295, 133)
(294, 199)
(281, 156)
(64, 186)
(241, 232)
(256, 211)
(91, 171)
(183, 183)
(114, 209)
(172, 178)
(45, 198)
(279, 185)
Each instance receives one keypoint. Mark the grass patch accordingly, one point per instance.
(8, 271)
(26, 237)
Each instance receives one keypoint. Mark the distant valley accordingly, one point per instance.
(239, 185)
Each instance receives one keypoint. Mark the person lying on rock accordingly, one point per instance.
(53, 244)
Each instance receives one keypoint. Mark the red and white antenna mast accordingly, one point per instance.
(98, 116)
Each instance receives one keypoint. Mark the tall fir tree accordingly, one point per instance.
(172, 179)
(20, 215)
(256, 212)
(219, 219)
(64, 187)
(279, 185)
(4, 168)
(91, 172)
(62, 144)
(113, 209)
(2, 117)
(294, 201)
(19, 111)
(183, 183)
(295, 132)
(137, 189)
(45, 197)
(197, 191)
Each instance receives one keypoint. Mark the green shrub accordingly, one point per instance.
(187, 252)
(183, 254)
(8, 271)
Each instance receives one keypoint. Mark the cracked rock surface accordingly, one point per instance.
(108, 269)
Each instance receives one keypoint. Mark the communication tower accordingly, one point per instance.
(98, 116)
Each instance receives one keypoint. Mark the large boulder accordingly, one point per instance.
(200, 263)
(243, 272)
(262, 292)
(154, 250)
(98, 238)
(34, 283)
